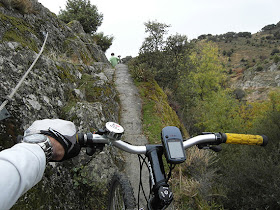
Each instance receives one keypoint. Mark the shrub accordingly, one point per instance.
(276, 59)
(259, 68)
(274, 51)
(103, 41)
(244, 34)
(229, 53)
(141, 72)
(126, 59)
(84, 12)
(269, 27)
(276, 35)
(239, 94)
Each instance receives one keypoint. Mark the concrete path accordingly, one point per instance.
(131, 107)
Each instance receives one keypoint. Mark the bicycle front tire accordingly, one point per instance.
(120, 193)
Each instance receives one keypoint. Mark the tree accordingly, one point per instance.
(151, 49)
(208, 76)
(268, 27)
(177, 45)
(203, 36)
(155, 40)
(201, 79)
(84, 12)
(244, 34)
(176, 55)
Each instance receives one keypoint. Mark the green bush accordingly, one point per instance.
(84, 12)
(275, 51)
(276, 59)
(259, 68)
(141, 72)
(103, 41)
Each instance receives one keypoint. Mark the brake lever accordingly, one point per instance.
(90, 150)
(100, 131)
(215, 148)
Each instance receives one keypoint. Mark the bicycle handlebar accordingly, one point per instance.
(113, 132)
(90, 139)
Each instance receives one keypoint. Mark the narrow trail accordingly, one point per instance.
(131, 107)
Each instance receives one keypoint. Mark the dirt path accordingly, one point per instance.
(131, 107)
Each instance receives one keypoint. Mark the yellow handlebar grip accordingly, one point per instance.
(233, 138)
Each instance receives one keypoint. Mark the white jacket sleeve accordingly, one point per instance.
(21, 167)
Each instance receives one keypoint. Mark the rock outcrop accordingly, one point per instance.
(258, 82)
(71, 80)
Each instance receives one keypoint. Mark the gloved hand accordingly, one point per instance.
(61, 130)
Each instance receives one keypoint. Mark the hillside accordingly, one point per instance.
(71, 80)
(200, 87)
(251, 60)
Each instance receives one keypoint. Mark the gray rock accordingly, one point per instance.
(257, 84)
(70, 80)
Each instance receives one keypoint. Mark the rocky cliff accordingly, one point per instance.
(71, 80)
(255, 83)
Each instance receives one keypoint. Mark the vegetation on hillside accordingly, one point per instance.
(195, 77)
(89, 17)
(243, 50)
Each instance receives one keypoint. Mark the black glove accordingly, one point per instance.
(61, 130)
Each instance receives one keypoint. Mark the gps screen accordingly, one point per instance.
(175, 149)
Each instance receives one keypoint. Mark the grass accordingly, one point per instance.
(156, 111)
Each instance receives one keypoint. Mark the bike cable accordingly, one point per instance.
(140, 157)
(171, 167)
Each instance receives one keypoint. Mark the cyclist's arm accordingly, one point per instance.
(22, 167)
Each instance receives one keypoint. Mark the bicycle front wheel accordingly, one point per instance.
(120, 193)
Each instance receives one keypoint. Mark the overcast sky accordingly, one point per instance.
(124, 19)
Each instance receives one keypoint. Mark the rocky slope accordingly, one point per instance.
(258, 82)
(252, 60)
(71, 80)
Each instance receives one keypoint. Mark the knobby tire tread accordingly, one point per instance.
(126, 190)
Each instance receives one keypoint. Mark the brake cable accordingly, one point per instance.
(171, 167)
(140, 181)
(9, 97)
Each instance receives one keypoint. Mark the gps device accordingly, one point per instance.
(172, 141)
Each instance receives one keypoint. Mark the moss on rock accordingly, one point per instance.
(19, 31)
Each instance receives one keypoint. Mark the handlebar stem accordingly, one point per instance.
(156, 168)
(163, 196)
